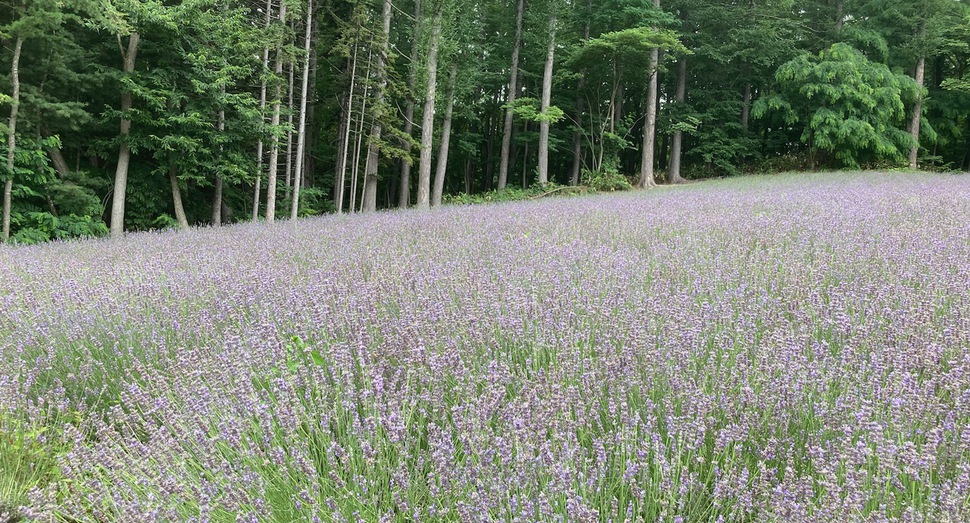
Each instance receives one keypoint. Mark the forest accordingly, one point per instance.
(128, 115)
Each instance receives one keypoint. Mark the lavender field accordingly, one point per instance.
(785, 349)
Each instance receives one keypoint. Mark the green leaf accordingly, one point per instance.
(317, 358)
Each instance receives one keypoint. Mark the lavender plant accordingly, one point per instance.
(794, 348)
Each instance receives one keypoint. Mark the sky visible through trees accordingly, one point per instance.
(122, 115)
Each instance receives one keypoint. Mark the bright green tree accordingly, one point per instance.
(847, 106)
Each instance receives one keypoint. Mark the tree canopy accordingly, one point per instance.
(147, 114)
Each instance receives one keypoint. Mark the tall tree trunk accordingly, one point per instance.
(365, 97)
(649, 144)
(404, 187)
(124, 152)
(304, 97)
(342, 144)
(290, 106)
(427, 123)
(503, 166)
(404, 192)
(525, 156)
(914, 125)
(676, 142)
(580, 108)
(344, 152)
(373, 152)
(546, 102)
(313, 131)
(746, 107)
(442, 167)
(492, 129)
(12, 136)
(177, 199)
(274, 150)
(267, 18)
(217, 189)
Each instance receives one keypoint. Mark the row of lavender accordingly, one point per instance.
(767, 349)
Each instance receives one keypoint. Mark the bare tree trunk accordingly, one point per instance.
(442, 167)
(746, 107)
(312, 132)
(914, 126)
(349, 122)
(12, 136)
(365, 96)
(59, 162)
(525, 156)
(304, 97)
(217, 189)
(492, 130)
(268, 16)
(124, 152)
(373, 152)
(404, 192)
(580, 108)
(503, 166)
(290, 105)
(404, 189)
(177, 199)
(648, 148)
(274, 151)
(676, 142)
(427, 123)
(546, 102)
(343, 140)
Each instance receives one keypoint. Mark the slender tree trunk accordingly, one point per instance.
(342, 145)
(620, 98)
(268, 16)
(546, 102)
(917, 112)
(12, 136)
(290, 106)
(274, 150)
(746, 107)
(365, 97)
(124, 152)
(469, 171)
(525, 156)
(404, 187)
(491, 128)
(177, 199)
(349, 123)
(404, 192)
(503, 166)
(442, 167)
(304, 97)
(427, 124)
(373, 152)
(217, 189)
(676, 143)
(312, 132)
(580, 108)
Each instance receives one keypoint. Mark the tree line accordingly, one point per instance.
(142, 114)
